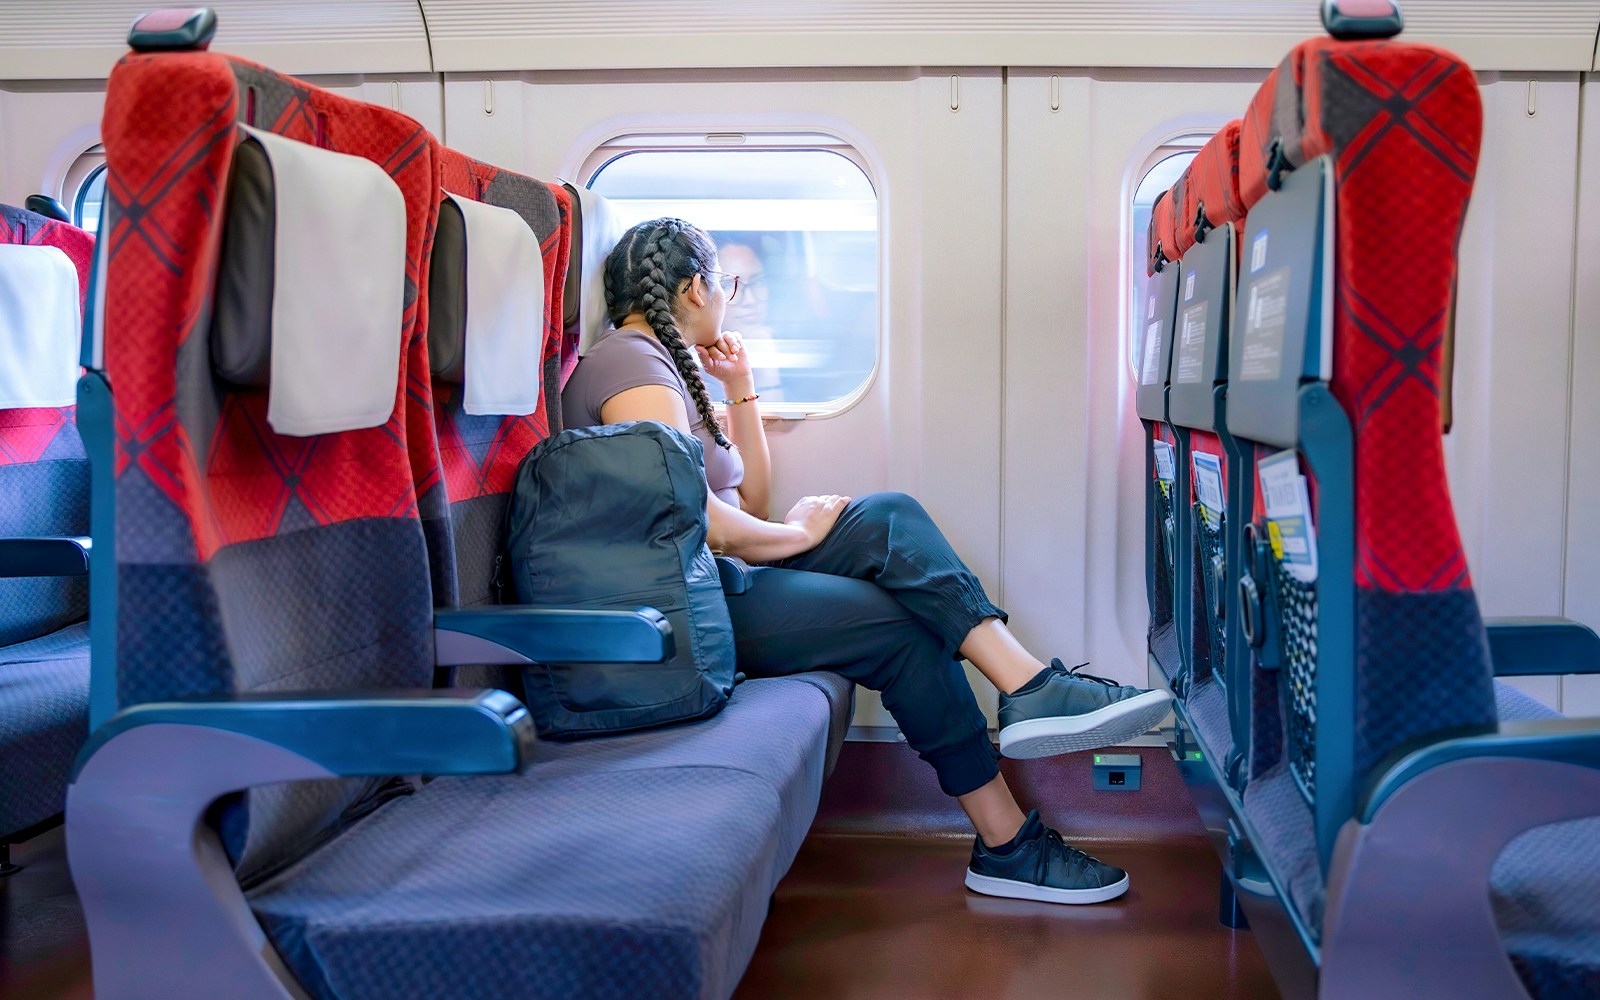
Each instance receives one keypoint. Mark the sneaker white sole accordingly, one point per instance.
(1104, 727)
(991, 886)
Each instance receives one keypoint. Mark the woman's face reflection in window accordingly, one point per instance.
(748, 312)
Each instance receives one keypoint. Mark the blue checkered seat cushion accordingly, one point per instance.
(1207, 709)
(44, 712)
(1545, 888)
(636, 866)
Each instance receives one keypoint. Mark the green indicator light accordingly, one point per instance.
(1196, 755)
(1097, 758)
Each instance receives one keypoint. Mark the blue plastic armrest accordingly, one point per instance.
(57, 556)
(1530, 647)
(510, 635)
(358, 733)
(1567, 741)
(735, 574)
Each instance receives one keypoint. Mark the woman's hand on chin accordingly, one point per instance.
(726, 360)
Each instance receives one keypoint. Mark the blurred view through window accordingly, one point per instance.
(800, 228)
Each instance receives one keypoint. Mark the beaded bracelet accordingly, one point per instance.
(742, 399)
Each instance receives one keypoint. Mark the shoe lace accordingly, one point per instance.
(1078, 862)
(1077, 672)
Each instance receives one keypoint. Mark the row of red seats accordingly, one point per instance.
(1311, 603)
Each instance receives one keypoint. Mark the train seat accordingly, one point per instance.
(467, 466)
(480, 455)
(1309, 264)
(44, 518)
(1196, 407)
(1373, 721)
(1166, 493)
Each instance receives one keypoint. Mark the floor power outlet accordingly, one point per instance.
(1117, 772)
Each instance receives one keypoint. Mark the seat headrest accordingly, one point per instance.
(310, 285)
(48, 207)
(486, 307)
(1350, 20)
(1162, 245)
(1211, 186)
(599, 230)
(173, 29)
(40, 324)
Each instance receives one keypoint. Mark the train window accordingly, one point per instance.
(796, 217)
(1161, 170)
(85, 188)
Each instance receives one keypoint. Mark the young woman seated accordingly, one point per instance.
(867, 587)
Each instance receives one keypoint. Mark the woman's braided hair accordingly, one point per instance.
(642, 275)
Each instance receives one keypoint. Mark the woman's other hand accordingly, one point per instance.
(816, 516)
(726, 360)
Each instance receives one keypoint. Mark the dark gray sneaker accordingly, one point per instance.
(1071, 711)
(1042, 866)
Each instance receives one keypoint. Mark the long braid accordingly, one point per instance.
(655, 275)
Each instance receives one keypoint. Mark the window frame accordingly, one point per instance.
(631, 141)
(85, 169)
(1187, 141)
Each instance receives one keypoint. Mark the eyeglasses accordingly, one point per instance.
(723, 281)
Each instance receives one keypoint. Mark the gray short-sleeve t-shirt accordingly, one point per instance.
(627, 359)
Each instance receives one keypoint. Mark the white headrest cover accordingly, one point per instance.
(40, 325)
(504, 335)
(339, 260)
(601, 229)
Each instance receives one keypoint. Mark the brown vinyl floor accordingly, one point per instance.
(874, 906)
(44, 951)
(887, 918)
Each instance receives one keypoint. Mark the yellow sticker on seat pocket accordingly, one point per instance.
(1276, 537)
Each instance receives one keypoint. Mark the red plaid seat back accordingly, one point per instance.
(1401, 125)
(479, 455)
(247, 560)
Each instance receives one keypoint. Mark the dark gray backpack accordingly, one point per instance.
(614, 517)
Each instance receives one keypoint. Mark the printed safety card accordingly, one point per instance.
(1289, 527)
(1165, 467)
(1208, 488)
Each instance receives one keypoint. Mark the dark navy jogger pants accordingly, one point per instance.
(885, 602)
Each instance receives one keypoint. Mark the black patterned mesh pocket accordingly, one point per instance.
(1166, 562)
(1210, 552)
(1297, 621)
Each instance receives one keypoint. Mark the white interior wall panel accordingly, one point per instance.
(82, 39)
(47, 127)
(929, 423)
(420, 95)
(1508, 453)
(1074, 460)
(480, 35)
(1582, 694)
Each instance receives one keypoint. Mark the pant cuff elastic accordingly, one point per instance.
(966, 618)
(966, 767)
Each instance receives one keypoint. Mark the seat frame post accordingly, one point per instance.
(1418, 871)
(153, 877)
(1229, 912)
(6, 867)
